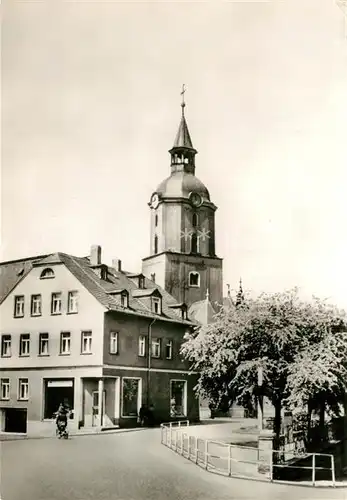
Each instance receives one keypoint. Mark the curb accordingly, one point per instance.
(18, 437)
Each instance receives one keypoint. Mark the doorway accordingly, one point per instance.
(15, 420)
(58, 391)
(95, 408)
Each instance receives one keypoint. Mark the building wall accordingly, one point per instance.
(177, 278)
(36, 424)
(158, 383)
(129, 329)
(205, 223)
(89, 317)
(172, 215)
(156, 265)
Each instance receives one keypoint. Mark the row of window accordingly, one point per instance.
(131, 390)
(22, 392)
(36, 304)
(86, 345)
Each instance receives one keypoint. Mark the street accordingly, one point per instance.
(124, 466)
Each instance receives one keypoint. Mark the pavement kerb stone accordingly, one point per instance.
(5, 437)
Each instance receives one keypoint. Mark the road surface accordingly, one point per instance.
(125, 466)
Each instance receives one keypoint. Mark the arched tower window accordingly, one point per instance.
(195, 219)
(156, 220)
(155, 244)
(194, 244)
(194, 279)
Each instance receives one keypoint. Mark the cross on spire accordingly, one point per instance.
(183, 104)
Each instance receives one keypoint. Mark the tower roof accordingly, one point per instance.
(183, 139)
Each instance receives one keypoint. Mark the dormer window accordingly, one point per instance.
(184, 312)
(141, 282)
(101, 270)
(47, 273)
(124, 300)
(104, 272)
(156, 305)
(194, 279)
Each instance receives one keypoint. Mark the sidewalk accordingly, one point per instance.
(227, 430)
(12, 436)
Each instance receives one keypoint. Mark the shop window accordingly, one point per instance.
(178, 398)
(131, 397)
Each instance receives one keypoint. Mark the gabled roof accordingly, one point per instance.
(146, 292)
(105, 291)
(13, 271)
(51, 259)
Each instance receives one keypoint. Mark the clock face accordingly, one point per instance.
(155, 200)
(195, 199)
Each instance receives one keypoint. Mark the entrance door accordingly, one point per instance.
(95, 408)
(15, 420)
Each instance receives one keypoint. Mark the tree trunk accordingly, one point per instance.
(277, 425)
(309, 423)
(322, 420)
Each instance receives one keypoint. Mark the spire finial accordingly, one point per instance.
(240, 298)
(183, 104)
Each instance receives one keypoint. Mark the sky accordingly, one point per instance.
(91, 106)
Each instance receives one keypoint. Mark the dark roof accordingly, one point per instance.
(12, 272)
(183, 139)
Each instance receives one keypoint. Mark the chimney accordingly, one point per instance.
(95, 255)
(117, 264)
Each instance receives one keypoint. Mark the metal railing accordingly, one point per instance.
(316, 463)
(240, 461)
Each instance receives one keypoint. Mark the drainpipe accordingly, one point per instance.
(149, 358)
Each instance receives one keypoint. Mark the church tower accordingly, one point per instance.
(182, 256)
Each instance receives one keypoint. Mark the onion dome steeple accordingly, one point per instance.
(183, 152)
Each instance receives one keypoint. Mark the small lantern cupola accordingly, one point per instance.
(183, 152)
